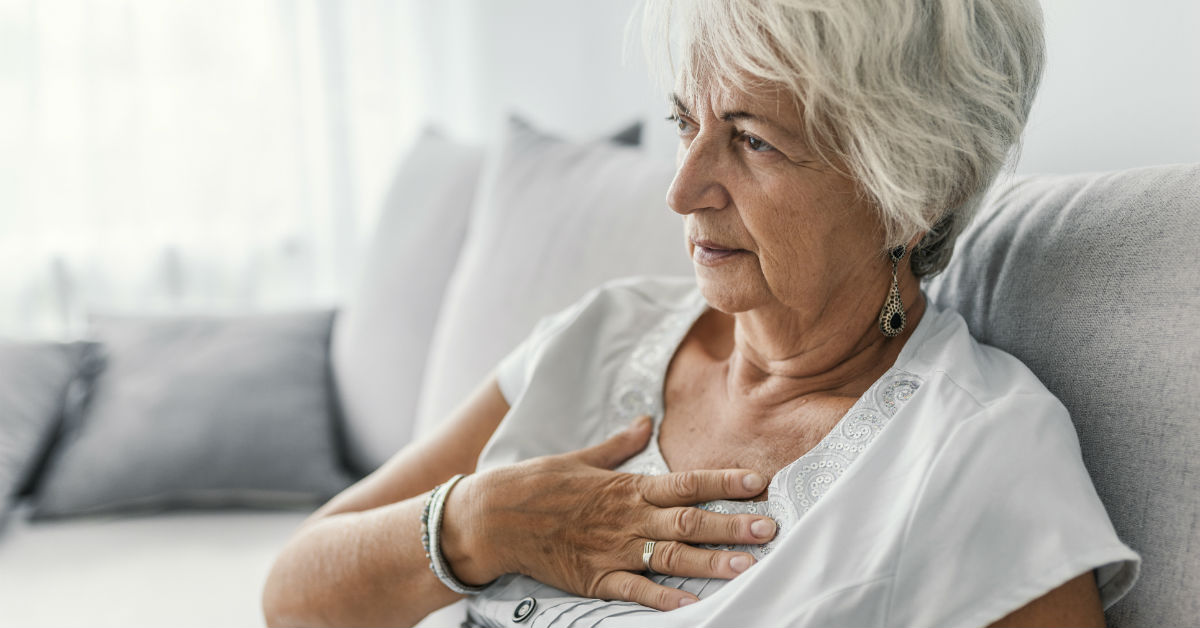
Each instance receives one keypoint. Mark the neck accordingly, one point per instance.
(780, 355)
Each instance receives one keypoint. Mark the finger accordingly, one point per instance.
(628, 587)
(687, 488)
(681, 559)
(617, 449)
(693, 525)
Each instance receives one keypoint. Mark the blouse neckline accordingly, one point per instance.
(796, 487)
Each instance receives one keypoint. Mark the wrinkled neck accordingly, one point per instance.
(778, 356)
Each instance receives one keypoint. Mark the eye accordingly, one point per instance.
(681, 123)
(756, 145)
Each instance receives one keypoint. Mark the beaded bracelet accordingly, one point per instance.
(431, 531)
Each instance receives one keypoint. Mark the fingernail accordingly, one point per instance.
(763, 528)
(639, 423)
(740, 563)
(753, 482)
(687, 600)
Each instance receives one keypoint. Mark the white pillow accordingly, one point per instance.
(381, 336)
(553, 219)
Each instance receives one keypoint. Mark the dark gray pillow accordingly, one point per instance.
(1092, 280)
(34, 380)
(628, 136)
(201, 411)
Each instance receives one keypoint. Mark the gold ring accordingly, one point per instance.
(647, 552)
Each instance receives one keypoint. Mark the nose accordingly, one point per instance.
(698, 178)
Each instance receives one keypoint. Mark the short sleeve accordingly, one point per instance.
(1006, 514)
(516, 368)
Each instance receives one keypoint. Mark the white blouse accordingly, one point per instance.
(951, 493)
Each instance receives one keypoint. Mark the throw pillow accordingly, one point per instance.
(553, 219)
(201, 411)
(34, 380)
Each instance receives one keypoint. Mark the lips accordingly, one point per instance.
(709, 253)
(713, 246)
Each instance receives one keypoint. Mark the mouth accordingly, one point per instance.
(709, 253)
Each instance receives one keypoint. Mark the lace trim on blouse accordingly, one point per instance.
(797, 487)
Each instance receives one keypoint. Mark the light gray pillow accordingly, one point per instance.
(34, 380)
(382, 336)
(201, 411)
(1093, 281)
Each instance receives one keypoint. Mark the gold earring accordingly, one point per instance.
(891, 317)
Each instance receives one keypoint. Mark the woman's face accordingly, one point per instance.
(767, 222)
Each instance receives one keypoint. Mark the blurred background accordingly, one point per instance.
(231, 155)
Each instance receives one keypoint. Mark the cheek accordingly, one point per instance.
(788, 266)
(781, 258)
(800, 247)
(786, 232)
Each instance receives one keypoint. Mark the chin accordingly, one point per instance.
(730, 294)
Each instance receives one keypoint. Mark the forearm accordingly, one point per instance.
(356, 568)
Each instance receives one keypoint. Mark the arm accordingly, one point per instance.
(358, 559)
(1076, 603)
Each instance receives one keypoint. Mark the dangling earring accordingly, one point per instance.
(891, 317)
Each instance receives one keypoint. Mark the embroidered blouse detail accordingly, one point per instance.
(797, 487)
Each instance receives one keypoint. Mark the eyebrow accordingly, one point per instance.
(679, 106)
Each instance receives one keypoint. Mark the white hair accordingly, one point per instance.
(919, 101)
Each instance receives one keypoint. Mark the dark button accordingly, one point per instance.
(524, 609)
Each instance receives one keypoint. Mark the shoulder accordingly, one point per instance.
(561, 382)
(606, 320)
(974, 396)
(1003, 495)
(981, 378)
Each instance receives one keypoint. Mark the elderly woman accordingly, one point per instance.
(857, 458)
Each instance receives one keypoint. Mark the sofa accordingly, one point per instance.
(152, 472)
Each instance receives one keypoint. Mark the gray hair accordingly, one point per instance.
(920, 101)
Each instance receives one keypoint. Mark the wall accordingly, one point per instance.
(557, 62)
(1122, 88)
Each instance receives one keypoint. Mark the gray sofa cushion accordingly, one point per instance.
(201, 411)
(1094, 282)
(34, 379)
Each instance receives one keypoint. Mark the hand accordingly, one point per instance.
(571, 522)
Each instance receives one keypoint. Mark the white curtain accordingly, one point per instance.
(193, 155)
